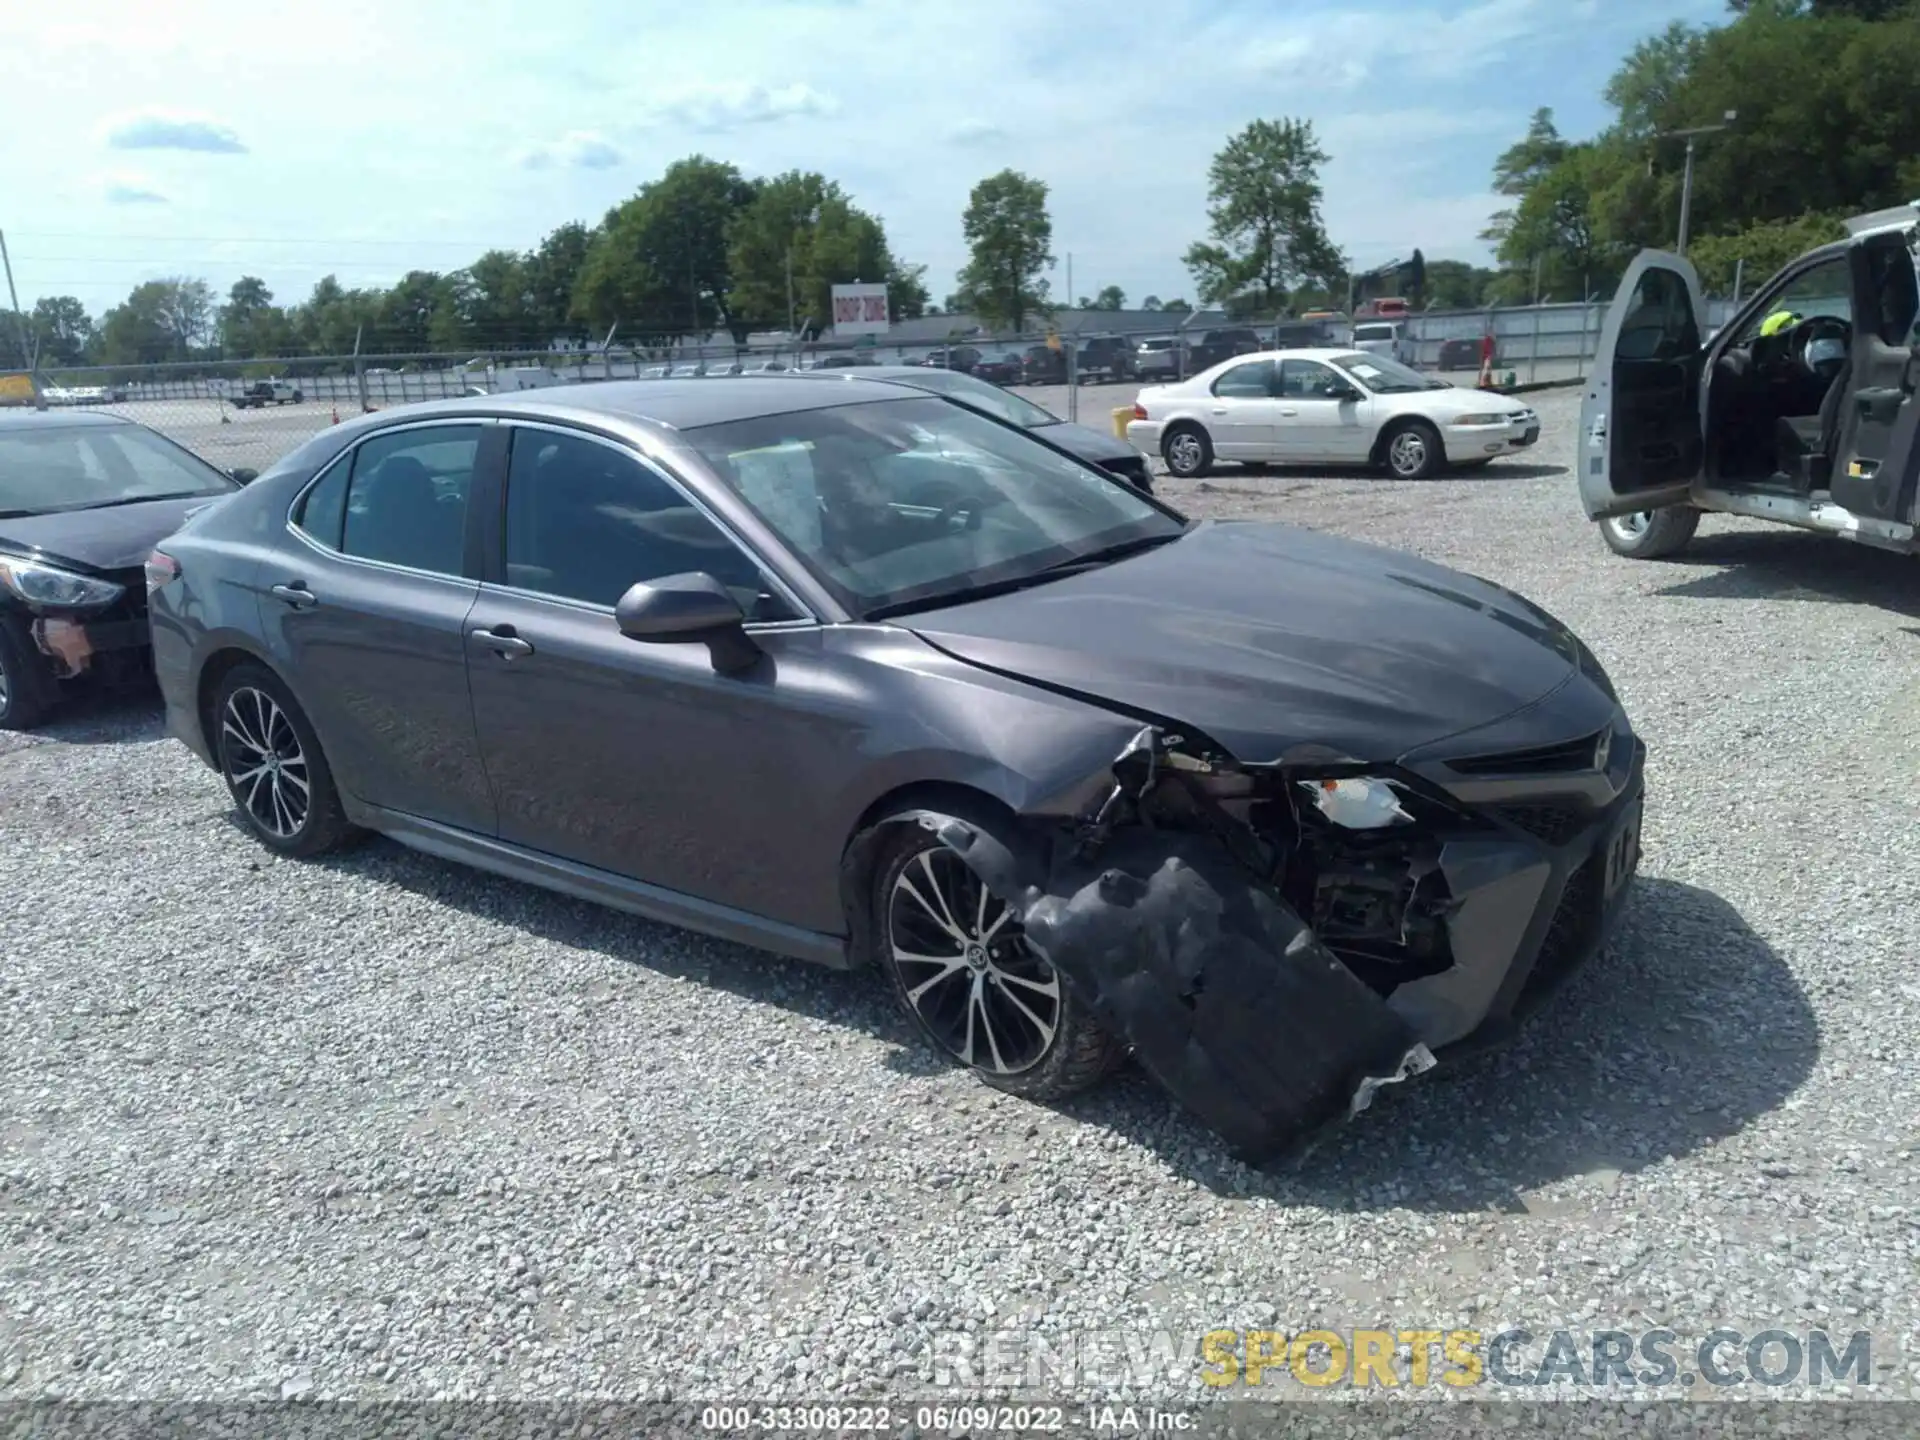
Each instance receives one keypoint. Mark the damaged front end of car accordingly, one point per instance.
(1276, 942)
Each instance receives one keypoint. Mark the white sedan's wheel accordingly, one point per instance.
(1413, 450)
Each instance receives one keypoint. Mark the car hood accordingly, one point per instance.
(1275, 641)
(1087, 443)
(117, 537)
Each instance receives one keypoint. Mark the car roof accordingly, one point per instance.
(665, 404)
(73, 419)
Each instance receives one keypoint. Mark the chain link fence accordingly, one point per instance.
(247, 414)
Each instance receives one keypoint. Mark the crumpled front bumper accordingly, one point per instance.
(73, 646)
(1228, 997)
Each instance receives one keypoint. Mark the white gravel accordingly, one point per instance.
(380, 1126)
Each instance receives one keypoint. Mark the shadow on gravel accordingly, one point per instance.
(129, 718)
(1791, 565)
(1687, 1030)
(1495, 470)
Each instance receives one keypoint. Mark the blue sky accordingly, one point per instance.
(368, 137)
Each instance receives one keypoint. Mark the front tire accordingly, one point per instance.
(1187, 450)
(976, 989)
(274, 767)
(27, 687)
(1412, 451)
(1650, 534)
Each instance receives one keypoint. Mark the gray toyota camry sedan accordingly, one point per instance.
(866, 677)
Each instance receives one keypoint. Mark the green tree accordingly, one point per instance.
(1263, 216)
(1521, 166)
(1009, 242)
(1152, 302)
(328, 322)
(1177, 307)
(144, 329)
(247, 321)
(1456, 285)
(1756, 252)
(800, 236)
(63, 329)
(552, 273)
(492, 306)
(659, 263)
(1112, 297)
(403, 316)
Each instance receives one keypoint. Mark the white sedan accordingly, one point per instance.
(1337, 407)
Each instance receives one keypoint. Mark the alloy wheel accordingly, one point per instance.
(1183, 453)
(982, 991)
(1633, 525)
(1407, 453)
(264, 763)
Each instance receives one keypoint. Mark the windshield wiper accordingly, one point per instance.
(1107, 554)
(150, 499)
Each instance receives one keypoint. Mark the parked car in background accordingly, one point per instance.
(654, 372)
(1224, 344)
(83, 499)
(1304, 335)
(859, 676)
(1462, 353)
(1104, 359)
(1340, 407)
(1043, 365)
(1813, 423)
(687, 370)
(261, 393)
(1159, 357)
(765, 365)
(1384, 337)
(1000, 369)
(1096, 447)
(839, 362)
(953, 357)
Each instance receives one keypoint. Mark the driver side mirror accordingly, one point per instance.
(691, 607)
(1344, 393)
(244, 475)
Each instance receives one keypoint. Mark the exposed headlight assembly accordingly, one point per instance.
(54, 588)
(1360, 802)
(1488, 419)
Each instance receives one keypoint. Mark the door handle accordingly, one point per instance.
(503, 643)
(297, 595)
(1219, 409)
(1289, 412)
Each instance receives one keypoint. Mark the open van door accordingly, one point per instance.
(1642, 427)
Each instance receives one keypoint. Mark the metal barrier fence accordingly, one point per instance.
(250, 413)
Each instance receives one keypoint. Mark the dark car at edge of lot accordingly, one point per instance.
(1096, 447)
(1280, 814)
(84, 497)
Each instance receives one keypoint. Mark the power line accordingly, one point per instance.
(242, 239)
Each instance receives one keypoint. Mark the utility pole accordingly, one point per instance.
(29, 345)
(1686, 179)
(789, 290)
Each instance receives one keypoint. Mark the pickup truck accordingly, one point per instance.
(1218, 345)
(262, 393)
(1801, 409)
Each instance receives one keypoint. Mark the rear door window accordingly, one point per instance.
(398, 498)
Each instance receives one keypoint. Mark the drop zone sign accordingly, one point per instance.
(859, 310)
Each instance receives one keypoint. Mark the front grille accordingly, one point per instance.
(1555, 824)
(1571, 755)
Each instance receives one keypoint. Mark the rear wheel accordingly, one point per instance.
(1650, 534)
(273, 765)
(972, 983)
(1187, 451)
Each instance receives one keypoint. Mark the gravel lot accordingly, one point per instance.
(380, 1126)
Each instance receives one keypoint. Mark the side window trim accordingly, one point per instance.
(487, 427)
(493, 573)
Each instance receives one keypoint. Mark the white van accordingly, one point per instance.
(1384, 337)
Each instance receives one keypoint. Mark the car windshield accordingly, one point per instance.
(912, 504)
(1386, 377)
(981, 395)
(82, 467)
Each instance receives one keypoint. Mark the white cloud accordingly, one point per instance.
(158, 129)
(575, 150)
(715, 108)
(976, 132)
(130, 190)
